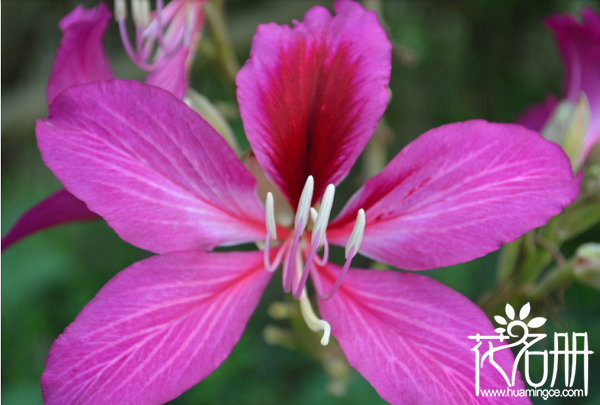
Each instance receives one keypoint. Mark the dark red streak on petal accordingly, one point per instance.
(310, 106)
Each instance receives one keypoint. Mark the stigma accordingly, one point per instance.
(298, 253)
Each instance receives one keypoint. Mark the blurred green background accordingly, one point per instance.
(461, 60)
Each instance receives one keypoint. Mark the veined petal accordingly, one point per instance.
(457, 193)
(171, 73)
(408, 336)
(156, 329)
(80, 57)
(579, 46)
(159, 174)
(310, 96)
(57, 209)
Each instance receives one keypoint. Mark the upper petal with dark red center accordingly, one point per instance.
(310, 96)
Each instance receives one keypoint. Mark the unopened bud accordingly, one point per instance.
(277, 336)
(567, 127)
(587, 264)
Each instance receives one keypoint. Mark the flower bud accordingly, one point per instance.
(567, 126)
(587, 264)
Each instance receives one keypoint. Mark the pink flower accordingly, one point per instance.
(174, 30)
(310, 98)
(579, 46)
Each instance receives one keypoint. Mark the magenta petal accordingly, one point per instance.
(59, 208)
(408, 336)
(80, 57)
(310, 96)
(159, 174)
(171, 73)
(579, 45)
(537, 115)
(155, 329)
(457, 193)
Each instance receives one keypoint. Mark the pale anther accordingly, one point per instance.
(135, 11)
(324, 212)
(313, 214)
(140, 11)
(270, 216)
(357, 234)
(120, 10)
(145, 9)
(303, 210)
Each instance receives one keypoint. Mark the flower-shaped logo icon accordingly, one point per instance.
(526, 339)
(523, 314)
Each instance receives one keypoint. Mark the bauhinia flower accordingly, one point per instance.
(165, 42)
(310, 98)
(163, 46)
(579, 47)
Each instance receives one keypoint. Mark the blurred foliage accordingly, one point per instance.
(457, 61)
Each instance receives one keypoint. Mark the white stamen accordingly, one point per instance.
(120, 10)
(323, 217)
(135, 11)
(145, 13)
(312, 321)
(140, 11)
(304, 204)
(270, 216)
(357, 234)
(313, 214)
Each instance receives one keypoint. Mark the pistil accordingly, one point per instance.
(313, 322)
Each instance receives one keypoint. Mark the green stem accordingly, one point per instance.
(538, 257)
(559, 276)
(215, 18)
(507, 261)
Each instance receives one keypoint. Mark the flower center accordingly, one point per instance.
(299, 254)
